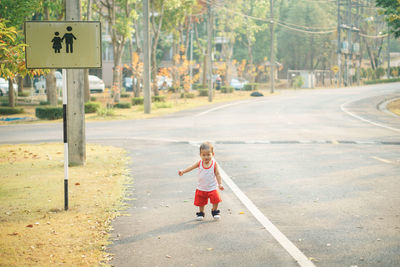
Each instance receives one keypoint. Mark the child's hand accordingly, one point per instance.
(180, 173)
(221, 187)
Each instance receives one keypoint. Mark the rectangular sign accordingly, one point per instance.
(63, 44)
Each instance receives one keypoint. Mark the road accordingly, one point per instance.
(321, 165)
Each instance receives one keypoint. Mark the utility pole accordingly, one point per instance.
(191, 54)
(146, 53)
(272, 55)
(339, 48)
(209, 52)
(358, 57)
(75, 111)
(388, 51)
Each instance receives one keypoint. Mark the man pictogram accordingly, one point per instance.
(69, 39)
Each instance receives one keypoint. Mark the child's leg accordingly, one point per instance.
(215, 206)
(201, 208)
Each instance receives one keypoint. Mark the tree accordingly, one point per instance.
(392, 11)
(118, 15)
(12, 58)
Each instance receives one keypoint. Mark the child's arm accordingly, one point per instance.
(218, 176)
(191, 168)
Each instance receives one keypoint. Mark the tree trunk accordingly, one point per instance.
(20, 81)
(11, 93)
(51, 83)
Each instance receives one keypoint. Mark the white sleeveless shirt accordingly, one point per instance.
(206, 177)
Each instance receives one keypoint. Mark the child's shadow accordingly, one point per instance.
(168, 229)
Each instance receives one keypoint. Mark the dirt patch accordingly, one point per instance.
(394, 106)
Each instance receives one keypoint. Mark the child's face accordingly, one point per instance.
(206, 155)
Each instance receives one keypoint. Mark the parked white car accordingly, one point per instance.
(4, 87)
(238, 83)
(40, 82)
(96, 85)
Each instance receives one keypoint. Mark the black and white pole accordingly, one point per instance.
(64, 90)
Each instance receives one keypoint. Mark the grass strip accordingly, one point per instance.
(34, 228)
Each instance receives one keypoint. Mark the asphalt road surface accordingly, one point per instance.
(322, 166)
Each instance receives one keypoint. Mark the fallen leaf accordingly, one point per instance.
(29, 225)
(209, 249)
(313, 259)
(242, 212)
(168, 256)
(77, 184)
(15, 233)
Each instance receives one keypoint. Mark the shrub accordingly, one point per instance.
(24, 94)
(158, 98)
(44, 103)
(91, 107)
(49, 113)
(137, 101)
(382, 81)
(227, 89)
(10, 110)
(203, 91)
(188, 95)
(298, 82)
(122, 105)
(93, 98)
(125, 95)
(105, 112)
(196, 86)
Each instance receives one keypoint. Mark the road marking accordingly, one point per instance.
(301, 259)
(220, 107)
(342, 107)
(383, 160)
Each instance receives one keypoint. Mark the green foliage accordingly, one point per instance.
(393, 80)
(16, 12)
(122, 105)
(250, 86)
(10, 110)
(23, 94)
(392, 12)
(91, 107)
(125, 95)
(188, 95)
(227, 89)
(44, 103)
(298, 82)
(137, 101)
(93, 98)
(158, 98)
(203, 91)
(105, 112)
(49, 113)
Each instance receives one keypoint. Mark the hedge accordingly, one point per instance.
(227, 89)
(125, 95)
(10, 110)
(250, 86)
(49, 113)
(382, 81)
(188, 95)
(137, 101)
(122, 105)
(203, 91)
(158, 98)
(91, 107)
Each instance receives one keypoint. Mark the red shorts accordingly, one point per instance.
(201, 197)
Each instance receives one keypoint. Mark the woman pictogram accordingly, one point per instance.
(57, 42)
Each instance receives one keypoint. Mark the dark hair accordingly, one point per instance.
(56, 33)
(207, 146)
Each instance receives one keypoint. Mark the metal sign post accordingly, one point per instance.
(65, 101)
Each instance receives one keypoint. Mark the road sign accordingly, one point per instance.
(63, 44)
(335, 69)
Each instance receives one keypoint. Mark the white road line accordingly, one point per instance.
(382, 160)
(301, 259)
(220, 107)
(342, 107)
